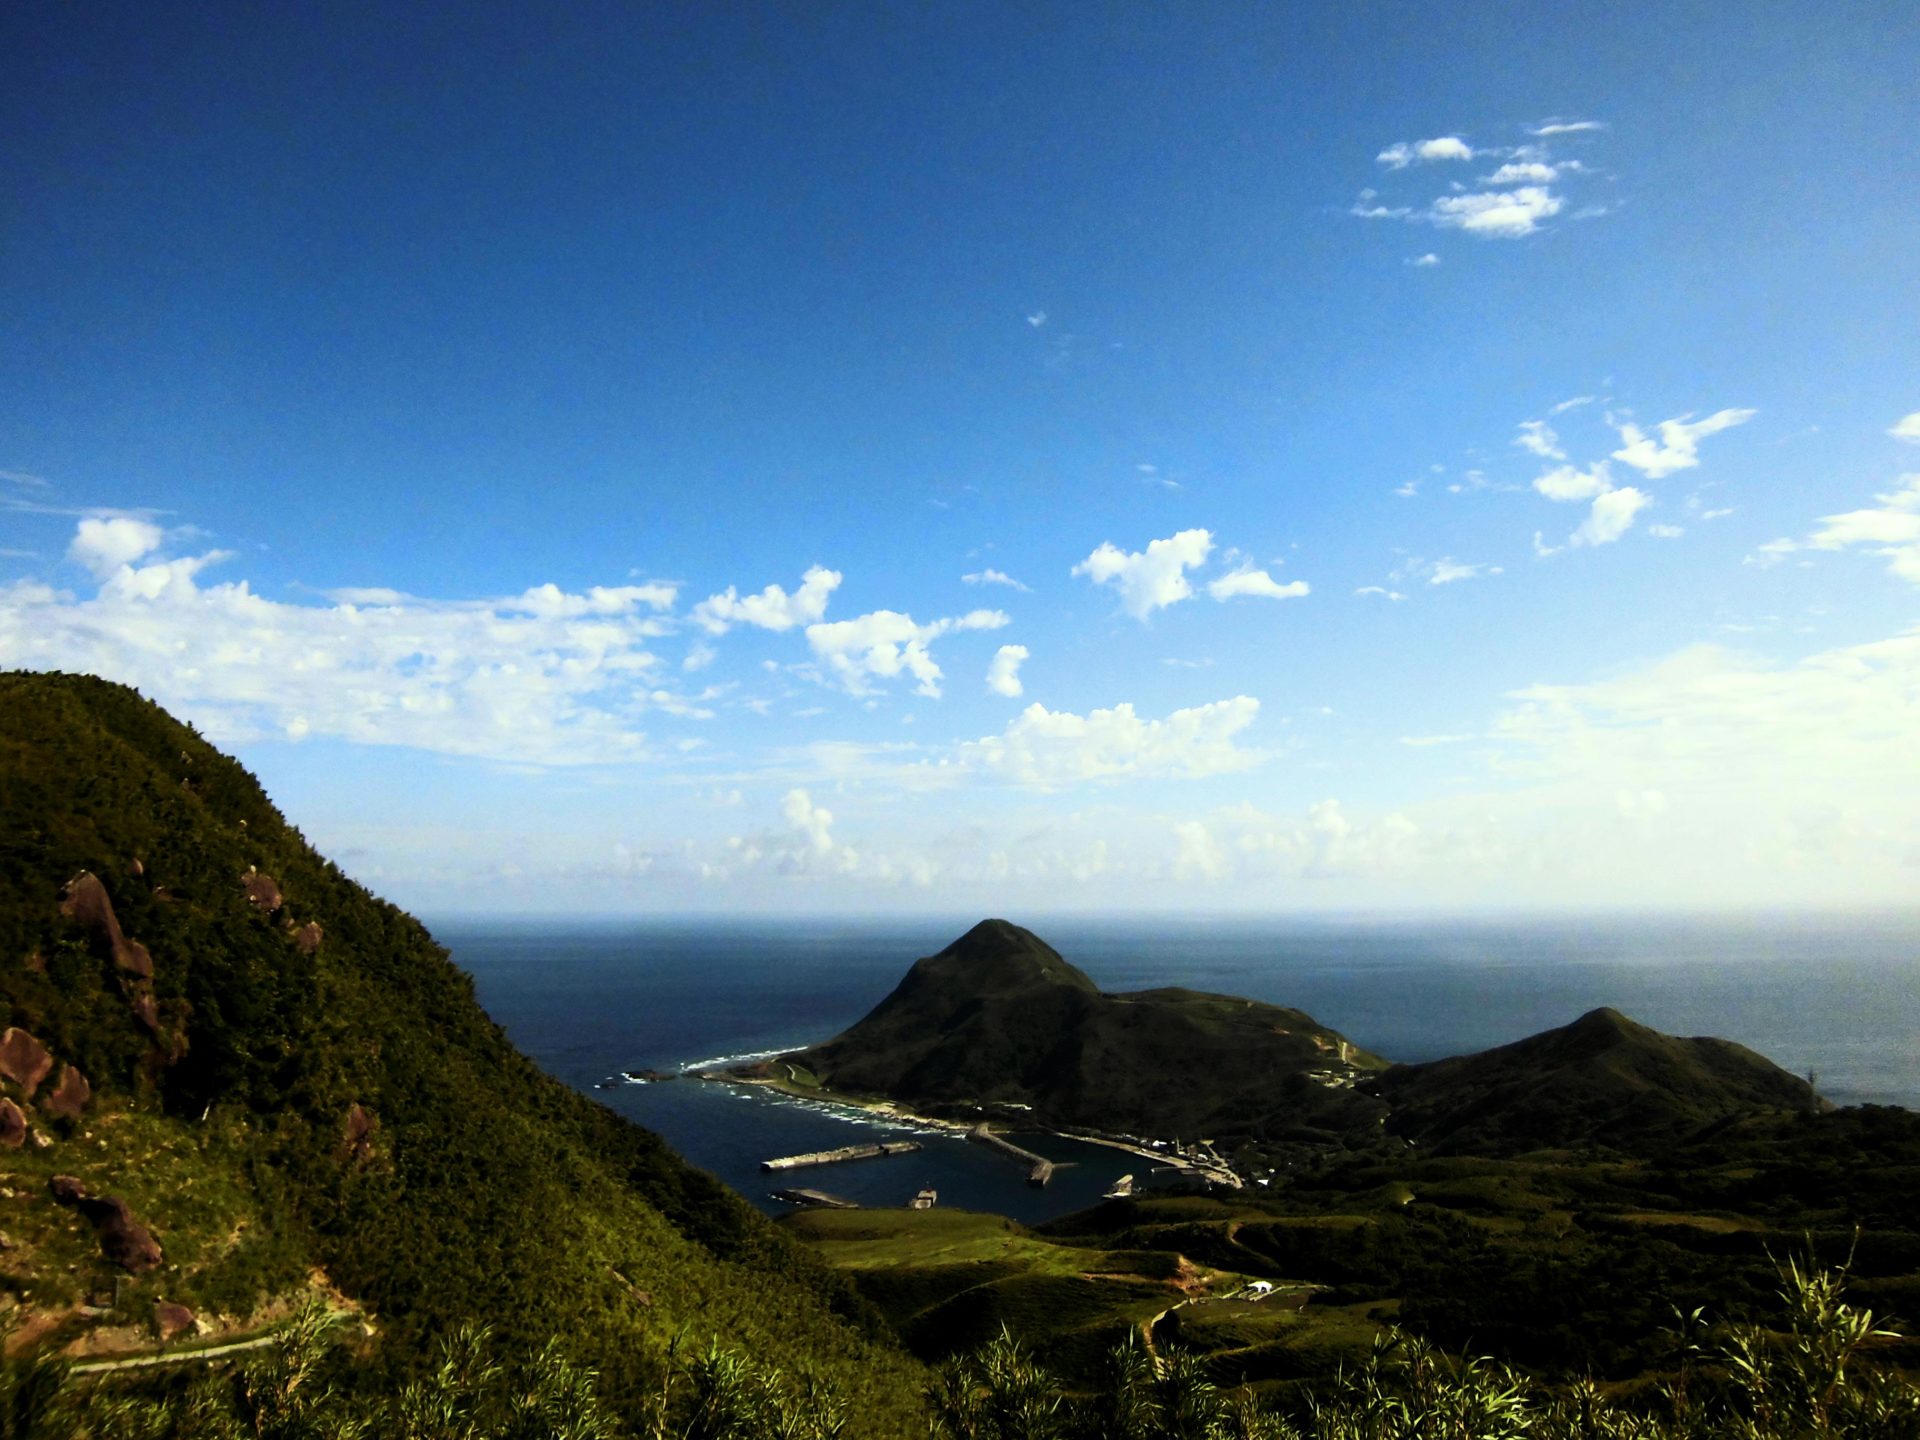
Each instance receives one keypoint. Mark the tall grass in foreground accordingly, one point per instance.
(1806, 1376)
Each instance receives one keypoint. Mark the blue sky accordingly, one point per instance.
(653, 459)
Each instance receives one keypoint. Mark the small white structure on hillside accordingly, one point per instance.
(1259, 1289)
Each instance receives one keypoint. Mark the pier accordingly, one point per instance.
(1040, 1169)
(815, 1199)
(848, 1152)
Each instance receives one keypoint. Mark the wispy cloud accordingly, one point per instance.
(1565, 127)
(993, 577)
(1404, 153)
(1678, 445)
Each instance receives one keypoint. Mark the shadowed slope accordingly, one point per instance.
(998, 1017)
(1604, 1079)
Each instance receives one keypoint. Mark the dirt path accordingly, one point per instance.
(176, 1357)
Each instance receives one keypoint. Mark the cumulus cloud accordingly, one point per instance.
(992, 577)
(1678, 445)
(1404, 153)
(1152, 579)
(1249, 581)
(1568, 483)
(104, 543)
(1003, 672)
(1424, 262)
(1523, 172)
(814, 823)
(885, 644)
(1046, 748)
(548, 677)
(1907, 428)
(1611, 517)
(1538, 437)
(1198, 856)
(773, 608)
(1501, 214)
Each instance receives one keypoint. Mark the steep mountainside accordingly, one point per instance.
(246, 1067)
(998, 1017)
(1604, 1079)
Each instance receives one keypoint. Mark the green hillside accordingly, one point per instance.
(1603, 1080)
(293, 1092)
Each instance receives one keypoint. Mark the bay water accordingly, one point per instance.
(1834, 995)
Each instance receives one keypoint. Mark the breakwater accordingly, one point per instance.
(845, 1152)
(1039, 1168)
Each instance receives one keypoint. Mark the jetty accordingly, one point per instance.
(846, 1152)
(1040, 1169)
(815, 1199)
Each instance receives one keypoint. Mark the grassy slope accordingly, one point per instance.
(493, 1192)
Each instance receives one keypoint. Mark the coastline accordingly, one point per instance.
(903, 1114)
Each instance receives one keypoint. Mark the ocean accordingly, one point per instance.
(1834, 995)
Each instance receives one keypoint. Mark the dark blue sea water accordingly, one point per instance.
(1836, 995)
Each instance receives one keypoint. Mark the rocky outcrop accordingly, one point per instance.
(170, 1319)
(70, 1094)
(308, 937)
(262, 893)
(124, 1241)
(356, 1135)
(13, 1126)
(24, 1060)
(88, 903)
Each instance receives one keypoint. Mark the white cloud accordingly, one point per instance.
(1575, 403)
(1678, 445)
(1037, 319)
(1424, 262)
(1381, 591)
(1523, 172)
(1891, 528)
(1568, 483)
(1198, 855)
(1048, 748)
(546, 678)
(1538, 437)
(104, 543)
(1448, 571)
(1666, 532)
(814, 823)
(1249, 581)
(1424, 742)
(1152, 579)
(1611, 516)
(1502, 214)
(1565, 127)
(1907, 429)
(885, 644)
(773, 608)
(1445, 147)
(1003, 673)
(993, 577)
